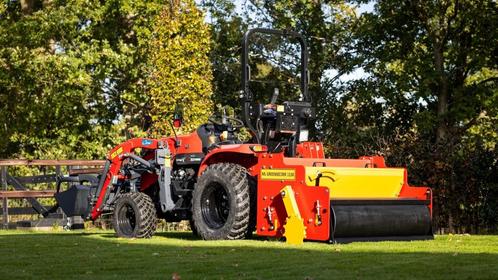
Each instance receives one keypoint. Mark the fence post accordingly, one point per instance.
(5, 205)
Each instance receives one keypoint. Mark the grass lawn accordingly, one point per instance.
(92, 255)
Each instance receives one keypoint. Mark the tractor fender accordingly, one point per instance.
(241, 154)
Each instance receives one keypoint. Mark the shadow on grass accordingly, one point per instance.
(173, 235)
(187, 235)
(177, 235)
(101, 255)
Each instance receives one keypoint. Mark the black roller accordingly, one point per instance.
(380, 220)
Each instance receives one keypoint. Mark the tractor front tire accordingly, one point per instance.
(221, 204)
(135, 216)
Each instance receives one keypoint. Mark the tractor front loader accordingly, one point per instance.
(278, 184)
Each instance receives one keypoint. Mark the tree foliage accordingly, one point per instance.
(226, 28)
(432, 74)
(65, 69)
(181, 72)
(439, 55)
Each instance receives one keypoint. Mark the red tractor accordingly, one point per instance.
(278, 183)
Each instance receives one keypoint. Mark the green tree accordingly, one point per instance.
(180, 67)
(441, 54)
(227, 28)
(68, 72)
(432, 73)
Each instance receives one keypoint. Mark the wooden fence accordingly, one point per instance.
(20, 191)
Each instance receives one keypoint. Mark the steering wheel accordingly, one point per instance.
(233, 122)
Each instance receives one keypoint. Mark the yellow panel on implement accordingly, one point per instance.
(357, 183)
(295, 231)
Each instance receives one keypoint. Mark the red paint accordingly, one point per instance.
(310, 150)
(188, 144)
(306, 198)
(236, 153)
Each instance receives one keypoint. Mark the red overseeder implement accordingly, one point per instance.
(278, 184)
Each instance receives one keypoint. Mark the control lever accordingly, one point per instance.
(274, 96)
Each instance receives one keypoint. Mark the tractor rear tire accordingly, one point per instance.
(135, 216)
(221, 205)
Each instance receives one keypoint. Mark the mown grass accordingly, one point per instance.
(100, 255)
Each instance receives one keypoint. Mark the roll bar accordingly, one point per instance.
(247, 97)
(245, 60)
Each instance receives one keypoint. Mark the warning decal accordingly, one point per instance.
(117, 152)
(278, 174)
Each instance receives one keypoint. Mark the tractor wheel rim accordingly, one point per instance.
(215, 206)
(127, 219)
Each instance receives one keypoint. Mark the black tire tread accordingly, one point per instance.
(147, 221)
(252, 200)
(239, 182)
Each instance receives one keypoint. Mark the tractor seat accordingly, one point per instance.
(206, 131)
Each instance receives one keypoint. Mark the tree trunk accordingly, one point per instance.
(52, 44)
(443, 93)
(27, 6)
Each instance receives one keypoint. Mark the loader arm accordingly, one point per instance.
(112, 174)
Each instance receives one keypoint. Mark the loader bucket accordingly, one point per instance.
(75, 201)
